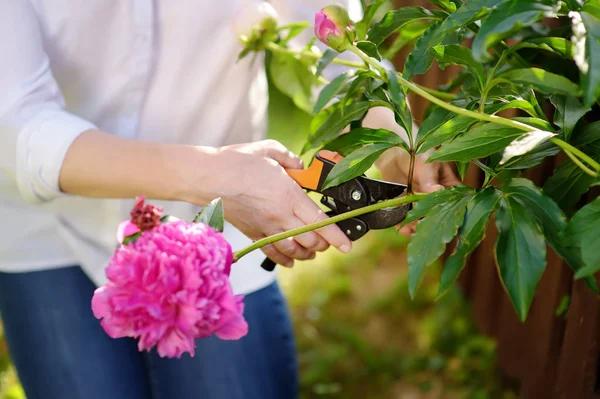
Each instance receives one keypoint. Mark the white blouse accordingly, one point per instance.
(154, 70)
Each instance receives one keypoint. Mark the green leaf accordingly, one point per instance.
(525, 144)
(438, 117)
(424, 206)
(369, 12)
(328, 56)
(355, 164)
(357, 138)
(567, 184)
(369, 49)
(400, 105)
(421, 58)
(508, 17)
(462, 168)
(568, 112)
(460, 55)
(293, 79)
(293, 30)
(557, 45)
(429, 137)
(445, 5)
(482, 141)
(520, 253)
(587, 135)
(446, 132)
(212, 215)
(469, 12)
(394, 20)
(586, 37)
(406, 35)
(331, 90)
(531, 159)
(436, 229)
(550, 216)
(534, 122)
(132, 238)
(470, 235)
(582, 234)
(336, 121)
(540, 80)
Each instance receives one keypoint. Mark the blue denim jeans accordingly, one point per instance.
(61, 352)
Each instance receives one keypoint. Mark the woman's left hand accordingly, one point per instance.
(427, 177)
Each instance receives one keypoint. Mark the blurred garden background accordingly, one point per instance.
(359, 335)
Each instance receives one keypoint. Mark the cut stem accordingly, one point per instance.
(334, 219)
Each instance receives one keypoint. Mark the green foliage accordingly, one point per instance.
(360, 335)
(212, 215)
(549, 76)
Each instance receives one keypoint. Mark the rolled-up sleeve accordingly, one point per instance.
(35, 129)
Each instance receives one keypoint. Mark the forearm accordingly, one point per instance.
(98, 164)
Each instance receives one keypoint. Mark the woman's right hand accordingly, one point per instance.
(261, 199)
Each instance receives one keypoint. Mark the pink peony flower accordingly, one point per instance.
(170, 287)
(332, 24)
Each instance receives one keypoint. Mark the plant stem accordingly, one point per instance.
(575, 152)
(411, 171)
(358, 65)
(334, 219)
(274, 47)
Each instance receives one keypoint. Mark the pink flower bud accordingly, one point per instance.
(334, 28)
(145, 216)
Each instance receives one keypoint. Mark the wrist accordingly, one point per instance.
(191, 169)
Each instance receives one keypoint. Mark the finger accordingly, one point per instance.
(308, 212)
(277, 256)
(277, 151)
(309, 240)
(448, 177)
(289, 247)
(409, 229)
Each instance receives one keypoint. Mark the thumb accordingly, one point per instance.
(429, 187)
(278, 152)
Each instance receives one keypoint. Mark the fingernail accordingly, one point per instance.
(345, 248)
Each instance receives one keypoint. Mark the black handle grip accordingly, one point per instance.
(268, 265)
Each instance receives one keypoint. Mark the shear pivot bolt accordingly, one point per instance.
(358, 227)
(348, 232)
(356, 196)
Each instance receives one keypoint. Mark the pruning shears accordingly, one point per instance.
(353, 194)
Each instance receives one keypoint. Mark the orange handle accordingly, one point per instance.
(309, 178)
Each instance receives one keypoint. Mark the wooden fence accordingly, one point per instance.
(548, 356)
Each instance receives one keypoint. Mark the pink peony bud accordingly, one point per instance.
(145, 216)
(334, 28)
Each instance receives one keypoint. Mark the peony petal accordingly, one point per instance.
(235, 329)
(100, 305)
(174, 344)
(125, 229)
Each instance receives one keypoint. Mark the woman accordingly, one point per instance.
(104, 100)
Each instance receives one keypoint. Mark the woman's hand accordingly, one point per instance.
(261, 199)
(427, 177)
